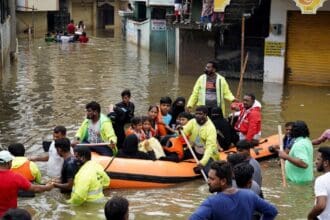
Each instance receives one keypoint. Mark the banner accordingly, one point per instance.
(309, 6)
(220, 5)
(158, 25)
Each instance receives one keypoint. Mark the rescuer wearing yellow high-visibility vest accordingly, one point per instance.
(211, 89)
(90, 180)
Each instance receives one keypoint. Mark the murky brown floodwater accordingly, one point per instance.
(51, 83)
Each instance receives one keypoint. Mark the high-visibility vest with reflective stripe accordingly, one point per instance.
(88, 183)
(24, 170)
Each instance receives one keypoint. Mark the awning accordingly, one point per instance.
(309, 6)
(220, 5)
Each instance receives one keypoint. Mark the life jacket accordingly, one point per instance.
(161, 127)
(130, 131)
(24, 170)
(177, 147)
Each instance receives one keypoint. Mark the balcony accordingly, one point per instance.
(37, 5)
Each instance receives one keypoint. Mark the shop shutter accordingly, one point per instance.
(308, 48)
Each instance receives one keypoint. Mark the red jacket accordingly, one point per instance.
(83, 39)
(249, 120)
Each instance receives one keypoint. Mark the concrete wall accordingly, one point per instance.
(274, 66)
(170, 45)
(133, 29)
(84, 12)
(5, 39)
(12, 6)
(39, 5)
(26, 19)
(87, 12)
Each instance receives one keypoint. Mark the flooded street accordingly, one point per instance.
(51, 83)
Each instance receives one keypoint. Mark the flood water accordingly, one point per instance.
(51, 83)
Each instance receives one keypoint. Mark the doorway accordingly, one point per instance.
(106, 16)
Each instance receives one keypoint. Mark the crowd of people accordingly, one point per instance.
(73, 33)
(160, 135)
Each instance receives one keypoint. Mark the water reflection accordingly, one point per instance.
(51, 84)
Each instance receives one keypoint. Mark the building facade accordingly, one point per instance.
(7, 31)
(54, 15)
(147, 26)
(298, 51)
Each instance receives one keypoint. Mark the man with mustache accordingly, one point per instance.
(321, 209)
(211, 89)
(229, 202)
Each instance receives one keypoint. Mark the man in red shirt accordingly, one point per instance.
(11, 182)
(71, 28)
(248, 124)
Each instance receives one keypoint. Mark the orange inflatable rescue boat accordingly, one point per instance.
(136, 173)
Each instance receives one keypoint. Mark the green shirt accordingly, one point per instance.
(303, 150)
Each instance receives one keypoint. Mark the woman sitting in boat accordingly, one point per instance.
(177, 108)
(152, 114)
(226, 135)
(130, 149)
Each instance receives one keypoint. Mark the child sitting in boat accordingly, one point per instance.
(174, 146)
(135, 128)
(130, 149)
(147, 130)
(164, 118)
(148, 139)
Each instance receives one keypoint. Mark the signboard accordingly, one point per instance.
(273, 48)
(220, 5)
(161, 2)
(309, 6)
(158, 25)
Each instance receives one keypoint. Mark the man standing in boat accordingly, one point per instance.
(248, 124)
(211, 89)
(97, 128)
(202, 134)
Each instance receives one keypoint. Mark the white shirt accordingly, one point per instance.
(55, 162)
(66, 39)
(94, 135)
(322, 188)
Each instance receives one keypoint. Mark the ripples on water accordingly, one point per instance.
(51, 84)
